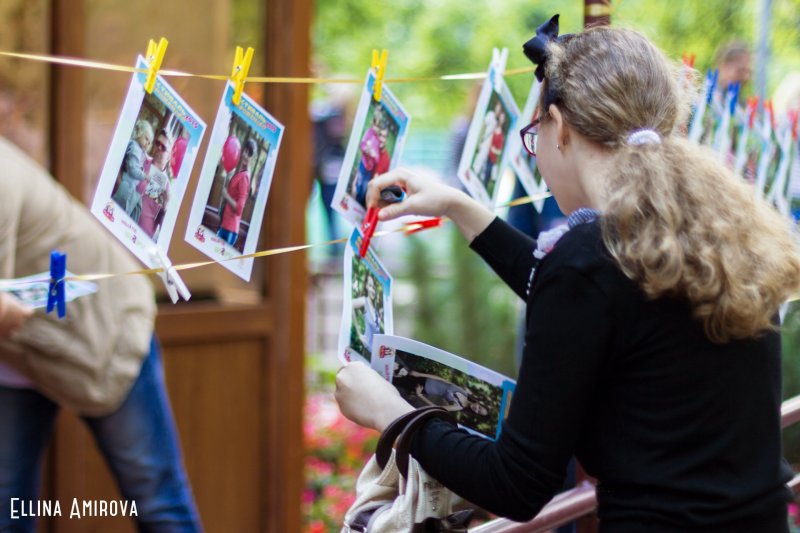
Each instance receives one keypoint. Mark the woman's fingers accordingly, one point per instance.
(377, 184)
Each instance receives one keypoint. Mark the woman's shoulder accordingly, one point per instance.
(582, 249)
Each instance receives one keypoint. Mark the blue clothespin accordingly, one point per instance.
(712, 76)
(733, 90)
(56, 294)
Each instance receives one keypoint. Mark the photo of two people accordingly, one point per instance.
(152, 161)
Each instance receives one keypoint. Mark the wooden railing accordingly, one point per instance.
(582, 501)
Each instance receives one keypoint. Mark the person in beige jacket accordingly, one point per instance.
(101, 361)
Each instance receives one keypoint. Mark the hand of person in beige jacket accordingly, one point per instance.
(13, 314)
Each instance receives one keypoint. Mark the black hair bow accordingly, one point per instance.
(536, 48)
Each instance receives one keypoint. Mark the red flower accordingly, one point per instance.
(316, 527)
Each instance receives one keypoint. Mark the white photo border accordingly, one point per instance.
(521, 162)
(105, 209)
(265, 125)
(384, 348)
(471, 181)
(379, 272)
(343, 202)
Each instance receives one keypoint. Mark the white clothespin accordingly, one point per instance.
(499, 59)
(172, 281)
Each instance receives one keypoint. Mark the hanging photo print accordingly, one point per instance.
(485, 154)
(147, 167)
(523, 163)
(367, 308)
(375, 146)
(235, 179)
(33, 290)
(424, 375)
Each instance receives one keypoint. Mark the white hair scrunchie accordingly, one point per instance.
(644, 136)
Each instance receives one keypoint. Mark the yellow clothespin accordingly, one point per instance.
(379, 66)
(241, 66)
(154, 57)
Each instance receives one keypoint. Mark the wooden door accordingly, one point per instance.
(234, 370)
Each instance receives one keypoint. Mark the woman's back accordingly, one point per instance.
(680, 429)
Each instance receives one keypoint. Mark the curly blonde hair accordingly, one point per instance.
(675, 220)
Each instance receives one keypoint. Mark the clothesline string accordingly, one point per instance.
(264, 253)
(99, 65)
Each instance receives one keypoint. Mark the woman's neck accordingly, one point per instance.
(593, 163)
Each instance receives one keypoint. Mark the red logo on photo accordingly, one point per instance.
(200, 234)
(386, 351)
(109, 211)
(344, 203)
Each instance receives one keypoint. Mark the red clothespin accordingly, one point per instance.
(771, 113)
(368, 229)
(391, 194)
(423, 224)
(793, 115)
(752, 108)
(56, 297)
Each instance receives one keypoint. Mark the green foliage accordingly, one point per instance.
(453, 36)
(461, 306)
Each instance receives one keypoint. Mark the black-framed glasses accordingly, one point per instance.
(529, 134)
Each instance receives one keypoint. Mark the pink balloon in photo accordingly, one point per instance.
(178, 151)
(230, 153)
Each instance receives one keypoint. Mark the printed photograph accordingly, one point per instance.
(484, 156)
(33, 290)
(367, 308)
(523, 163)
(152, 161)
(147, 167)
(232, 193)
(367, 303)
(425, 375)
(375, 146)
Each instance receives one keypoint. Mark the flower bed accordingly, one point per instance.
(336, 451)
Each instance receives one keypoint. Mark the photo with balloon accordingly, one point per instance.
(228, 207)
(147, 167)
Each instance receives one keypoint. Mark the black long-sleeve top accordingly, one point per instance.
(682, 434)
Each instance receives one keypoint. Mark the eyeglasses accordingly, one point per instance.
(529, 135)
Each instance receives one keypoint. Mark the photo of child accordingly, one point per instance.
(484, 155)
(147, 167)
(231, 196)
(375, 146)
(367, 302)
(150, 165)
(375, 151)
(231, 200)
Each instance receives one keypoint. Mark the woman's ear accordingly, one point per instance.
(562, 130)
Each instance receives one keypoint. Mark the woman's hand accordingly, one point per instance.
(13, 314)
(366, 398)
(427, 196)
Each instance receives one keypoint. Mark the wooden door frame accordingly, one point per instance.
(280, 319)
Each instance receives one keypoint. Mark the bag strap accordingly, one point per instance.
(383, 451)
(404, 441)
